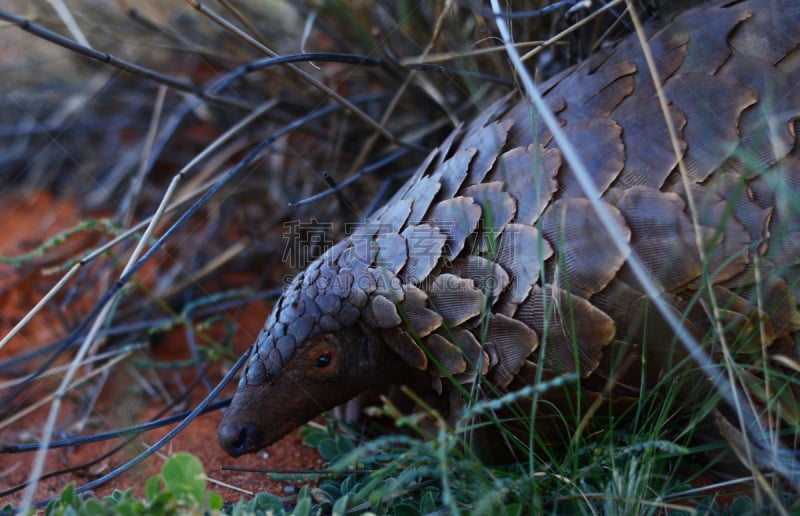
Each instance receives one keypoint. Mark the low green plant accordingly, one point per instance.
(408, 475)
(405, 475)
(180, 488)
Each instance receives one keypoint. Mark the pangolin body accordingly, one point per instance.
(489, 265)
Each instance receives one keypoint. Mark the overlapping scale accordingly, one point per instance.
(508, 343)
(572, 332)
(528, 174)
(417, 317)
(711, 136)
(521, 252)
(497, 208)
(586, 259)
(599, 142)
(486, 275)
(456, 299)
(456, 218)
(425, 244)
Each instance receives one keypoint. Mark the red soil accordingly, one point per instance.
(29, 220)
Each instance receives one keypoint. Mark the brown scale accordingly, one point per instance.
(490, 267)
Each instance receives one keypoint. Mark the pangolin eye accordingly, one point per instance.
(323, 361)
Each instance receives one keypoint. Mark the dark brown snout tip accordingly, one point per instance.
(237, 439)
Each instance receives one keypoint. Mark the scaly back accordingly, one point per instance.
(490, 264)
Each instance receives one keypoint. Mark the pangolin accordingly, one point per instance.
(489, 269)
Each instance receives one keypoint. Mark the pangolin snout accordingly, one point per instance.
(237, 438)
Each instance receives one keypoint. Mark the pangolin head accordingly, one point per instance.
(312, 355)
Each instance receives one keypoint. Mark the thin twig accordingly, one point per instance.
(302, 74)
(569, 30)
(121, 64)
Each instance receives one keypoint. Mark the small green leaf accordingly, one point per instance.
(161, 501)
(68, 497)
(348, 484)
(312, 436)
(344, 444)
(328, 448)
(514, 509)
(215, 501)
(408, 476)
(125, 508)
(95, 506)
(117, 495)
(406, 509)
(332, 488)
(374, 499)
(303, 507)
(340, 507)
(152, 487)
(184, 476)
(427, 503)
(264, 503)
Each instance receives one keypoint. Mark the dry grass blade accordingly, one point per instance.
(300, 73)
(88, 343)
(121, 64)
